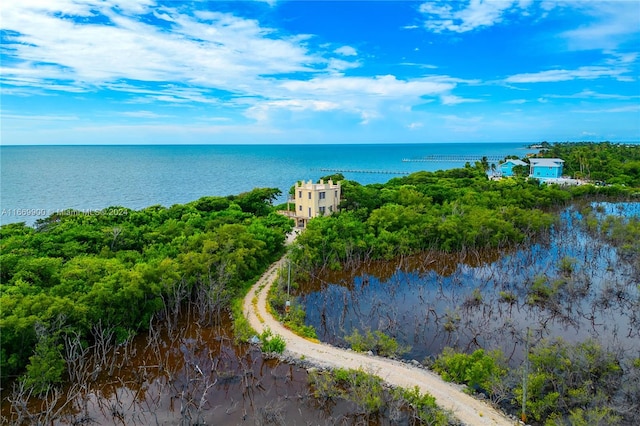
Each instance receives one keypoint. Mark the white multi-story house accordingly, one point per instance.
(315, 199)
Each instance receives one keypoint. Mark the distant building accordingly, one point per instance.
(545, 168)
(315, 199)
(506, 168)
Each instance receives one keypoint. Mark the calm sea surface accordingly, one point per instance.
(45, 179)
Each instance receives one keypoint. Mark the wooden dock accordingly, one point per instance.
(454, 158)
(380, 172)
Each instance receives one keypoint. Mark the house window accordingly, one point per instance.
(299, 194)
(309, 194)
(336, 194)
(330, 208)
(309, 211)
(300, 208)
(322, 210)
(321, 195)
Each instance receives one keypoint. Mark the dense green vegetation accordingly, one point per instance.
(372, 399)
(565, 383)
(271, 343)
(292, 317)
(448, 210)
(604, 162)
(377, 342)
(89, 273)
(478, 370)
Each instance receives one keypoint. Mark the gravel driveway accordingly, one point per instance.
(449, 396)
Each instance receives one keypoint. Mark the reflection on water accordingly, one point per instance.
(569, 284)
(181, 374)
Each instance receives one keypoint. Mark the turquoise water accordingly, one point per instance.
(39, 180)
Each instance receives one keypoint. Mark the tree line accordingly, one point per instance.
(456, 209)
(604, 162)
(69, 273)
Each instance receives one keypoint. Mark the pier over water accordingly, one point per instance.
(454, 158)
(385, 172)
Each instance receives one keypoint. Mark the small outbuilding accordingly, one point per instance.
(506, 168)
(546, 168)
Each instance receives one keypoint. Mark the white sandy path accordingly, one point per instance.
(466, 408)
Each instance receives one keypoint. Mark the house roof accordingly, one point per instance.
(516, 162)
(546, 162)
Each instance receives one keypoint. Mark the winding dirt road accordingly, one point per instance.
(448, 396)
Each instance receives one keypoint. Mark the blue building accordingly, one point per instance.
(546, 168)
(506, 168)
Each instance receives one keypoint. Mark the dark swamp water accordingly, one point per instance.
(571, 284)
(181, 373)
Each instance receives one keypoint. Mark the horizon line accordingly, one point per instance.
(314, 144)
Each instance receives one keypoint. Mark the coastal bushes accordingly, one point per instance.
(478, 370)
(377, 342)
(566, 377)
(373, 399)
(565, 383)
(271, 343)
(74, 270)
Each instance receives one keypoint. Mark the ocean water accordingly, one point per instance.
(36, 181)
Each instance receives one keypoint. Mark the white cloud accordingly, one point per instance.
(590, 94)
(165, 92)
(583, 73)
(381, 86)
(607, 24)
(210, 49)
(622, 109)
(143, 114)
(241, 68)
(346, 51)
(337, 65)
(363, 97)
(367, 116)
(449, 99)
(517, 101)
(414, 64)
(39, 117)
(303, 104)
(262, 111)
(203, 57)
(604, 24)
(617, 58)
(269, 2)
(462, 16)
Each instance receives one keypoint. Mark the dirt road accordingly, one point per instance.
(448, 396)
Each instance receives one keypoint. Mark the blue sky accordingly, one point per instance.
(153, 72)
